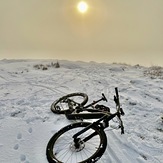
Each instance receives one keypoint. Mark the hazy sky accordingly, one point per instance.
(129, 31)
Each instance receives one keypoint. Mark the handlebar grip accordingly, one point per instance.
(122, 130)
(104, 98)
(116, 91)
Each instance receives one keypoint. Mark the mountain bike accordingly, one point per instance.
(83, 142)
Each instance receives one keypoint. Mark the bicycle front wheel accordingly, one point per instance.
(61, 106)
(62, 149)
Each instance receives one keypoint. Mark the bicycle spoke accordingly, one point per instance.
(63, 155)
(89, 146)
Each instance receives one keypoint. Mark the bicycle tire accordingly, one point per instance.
(54, 152)
(55, 108)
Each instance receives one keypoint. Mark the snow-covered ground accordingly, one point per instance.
(27, 123)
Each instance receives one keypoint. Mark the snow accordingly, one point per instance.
(27, 123)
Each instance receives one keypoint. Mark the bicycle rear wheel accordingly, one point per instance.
(61, 106)
(61, 147)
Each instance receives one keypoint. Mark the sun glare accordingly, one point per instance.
(82, 7)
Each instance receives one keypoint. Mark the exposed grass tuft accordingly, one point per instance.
(154, 72)
(45, 67)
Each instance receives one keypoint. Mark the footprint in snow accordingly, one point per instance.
(16, 147)
(30, 130)
(19, 136)
(22, 157)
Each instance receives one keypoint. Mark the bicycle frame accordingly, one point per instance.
(98, 125)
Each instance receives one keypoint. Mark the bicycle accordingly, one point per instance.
(83, 142)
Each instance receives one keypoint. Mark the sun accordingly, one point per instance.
(82, 7)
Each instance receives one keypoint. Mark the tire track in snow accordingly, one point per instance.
(119, 148)
(146, 152)
(48, 88)
(117, 152)
(54, 89)
(8, 79)
(3, 78)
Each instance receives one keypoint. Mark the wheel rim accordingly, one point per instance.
(64, 149)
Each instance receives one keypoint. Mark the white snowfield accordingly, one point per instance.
(27, 123)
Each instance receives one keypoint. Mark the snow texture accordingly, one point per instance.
(27, 123)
